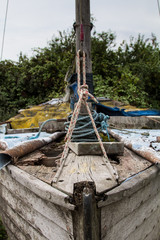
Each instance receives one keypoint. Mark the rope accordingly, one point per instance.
(4, 30)
(40, 129)
(84, 132)
(83, 96)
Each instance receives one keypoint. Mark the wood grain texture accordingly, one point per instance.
(149, 228)
(116, 211)
(40, 188)
(59, 215)
(130, 164)
(130, 187)
(25, 228)
(131, 222)
(86, 168)
(18, 209)
(14, 233)
(41, 172)
(93, 148)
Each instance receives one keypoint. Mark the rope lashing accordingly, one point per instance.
(83, 97)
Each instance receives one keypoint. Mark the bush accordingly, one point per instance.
(129, 73)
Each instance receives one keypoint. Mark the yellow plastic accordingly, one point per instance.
(31, 117)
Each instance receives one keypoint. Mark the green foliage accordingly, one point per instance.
(129, 73)
(3, 234)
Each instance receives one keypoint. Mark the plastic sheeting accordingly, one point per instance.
(31, 117)
(115, 111)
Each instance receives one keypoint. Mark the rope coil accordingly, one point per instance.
(83, 131)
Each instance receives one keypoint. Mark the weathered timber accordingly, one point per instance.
(26, 228)
(31, 158)
(142, 231)
(129, 164)
(53, 126)
(129, 224)
(154, 234)
(127, 188)
(57, 214)
(48, 228)
(40, 188)
(22, 130)
(14, 233)
(86, 168)
(134, 122)
(129, 208)
(46, 174)
(93, 148)
(86, 215)
(120, 209)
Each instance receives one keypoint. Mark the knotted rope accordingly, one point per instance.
(83, 97)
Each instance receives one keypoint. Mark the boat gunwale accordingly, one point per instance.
(129, 187)
(40, 188)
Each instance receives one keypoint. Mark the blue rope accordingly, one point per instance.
(84, 132)
(40, 130)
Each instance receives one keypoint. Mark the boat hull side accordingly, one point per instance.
(132, 210)
(26, 215)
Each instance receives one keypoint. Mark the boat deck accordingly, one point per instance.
(42, 163)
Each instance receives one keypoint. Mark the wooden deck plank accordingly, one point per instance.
(129, 164)
(41, 172)
(128, 188)
(93, 148)
(86, 168)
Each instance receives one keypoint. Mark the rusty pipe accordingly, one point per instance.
(145, 152)
(28, 147)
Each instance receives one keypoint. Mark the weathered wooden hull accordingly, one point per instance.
(31, 209)
(132, 210)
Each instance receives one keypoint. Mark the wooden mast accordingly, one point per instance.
(83, 30)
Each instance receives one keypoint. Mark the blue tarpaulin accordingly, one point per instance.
(115, 111)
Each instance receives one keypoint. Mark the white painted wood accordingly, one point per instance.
(155, 233)
(130, 187)
(22, 224)
(86, 168)
(40, 188)
(127, 225)
(113, 213)
(13, 231)
(59, 215)
(32, 217)
(148, 225)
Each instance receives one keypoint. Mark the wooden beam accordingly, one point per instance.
(83, 17)
(93, 148)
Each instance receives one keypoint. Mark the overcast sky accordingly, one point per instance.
(32, 23)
